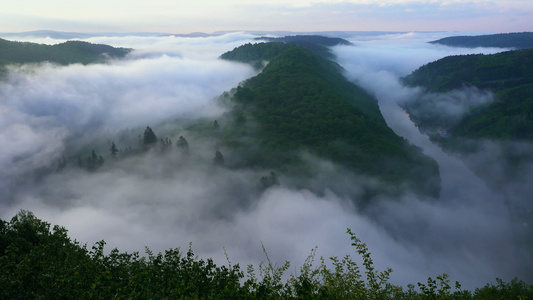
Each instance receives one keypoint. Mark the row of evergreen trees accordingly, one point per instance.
(148, 140)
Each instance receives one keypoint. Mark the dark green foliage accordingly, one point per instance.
(37, 262)
(313, 39)
(218, 160)
(255, 54)
(65, 53)
(511, 117)
(316, 43)
(149, 137)
(113, 150)
(302, 102)
(165, 144)
(505, 123)
(269, 180)
(216, 126)
(522, 40)
(516, 289)
(94, 161)
(499, 71)
(183, 145)
(509, 75)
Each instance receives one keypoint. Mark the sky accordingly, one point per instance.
(495, 16)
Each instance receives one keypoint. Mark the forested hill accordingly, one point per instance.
(255, 54)
(65, 53)
(307, 39)
(481, 107)
(260, 52)
(508, 74)
(301, 102)
(522, 40)
(316, 43)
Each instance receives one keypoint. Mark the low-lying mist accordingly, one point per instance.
(166, 200)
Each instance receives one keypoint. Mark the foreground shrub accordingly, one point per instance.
(37, 261)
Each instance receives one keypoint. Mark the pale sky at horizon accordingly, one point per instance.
(274, 15)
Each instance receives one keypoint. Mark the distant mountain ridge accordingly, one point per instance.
(316, 43)
(68, 35)
(307, 39)
(65, 53)
(522, 40)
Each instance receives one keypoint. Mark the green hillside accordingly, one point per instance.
(508, 74)
(495, 137)
(521, 40)
(65, 53)
(302, 40)
(301, 102)
(316, 43)
(255, 54)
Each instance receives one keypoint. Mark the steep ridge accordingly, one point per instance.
(301, 102)
(509, 75)
(493, 133)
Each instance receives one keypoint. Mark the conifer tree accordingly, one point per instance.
(219, 159)
(149, 137)
(113, 150)
(183, 145)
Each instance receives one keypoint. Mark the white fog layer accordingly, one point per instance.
(141, 201)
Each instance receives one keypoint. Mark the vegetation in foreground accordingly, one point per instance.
(37, 261)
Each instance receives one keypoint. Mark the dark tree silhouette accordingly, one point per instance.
(113, 150)
(269, 180)
(149, 137)
(183, 145)
(165, 144)
(219, 159)
(94, 161)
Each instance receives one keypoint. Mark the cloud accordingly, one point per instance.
(480, 217)
(166, 200)
(44, 105)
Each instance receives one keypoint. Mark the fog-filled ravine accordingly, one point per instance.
(48, 112)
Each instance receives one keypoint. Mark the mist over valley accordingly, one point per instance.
(283, 150)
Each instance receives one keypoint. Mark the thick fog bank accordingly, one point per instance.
(168, 200)
(469, 219)
(44, 105)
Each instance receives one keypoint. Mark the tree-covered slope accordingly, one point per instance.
(481, 107)
(316, 43)
(522, 40)
(65, 53)
(509, 75)
(301, 102)
(307, 39)
(255, 54)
